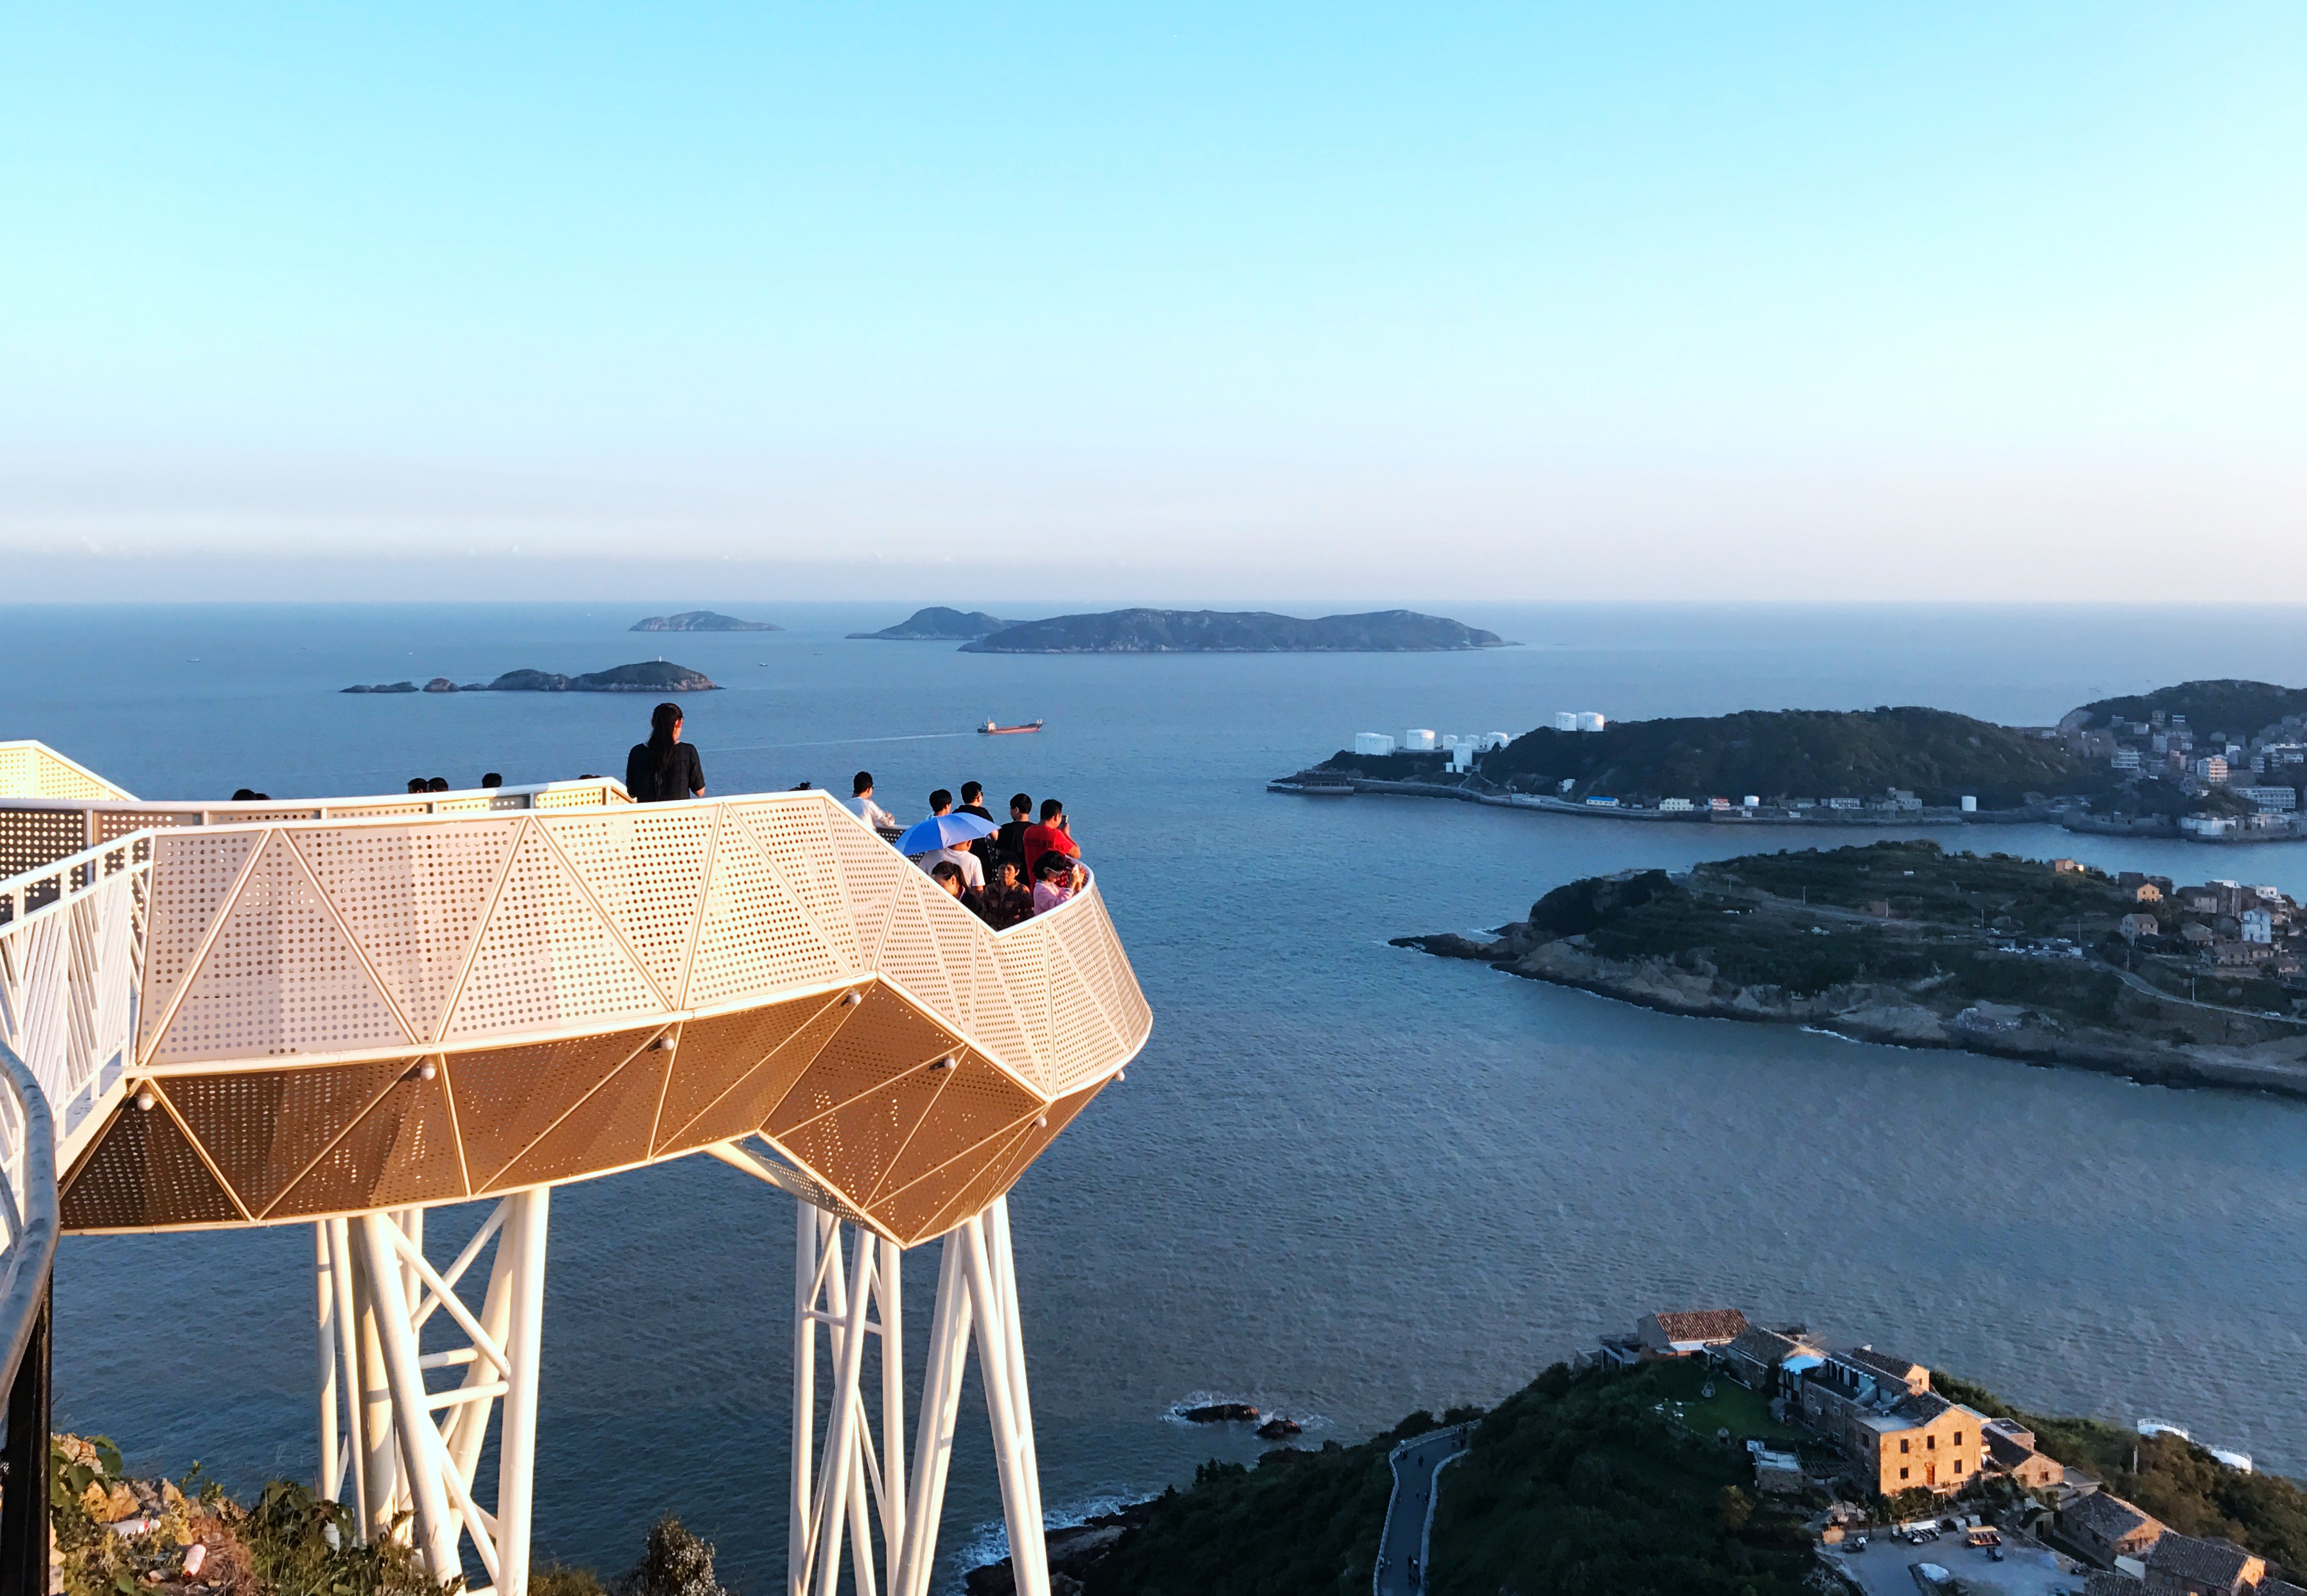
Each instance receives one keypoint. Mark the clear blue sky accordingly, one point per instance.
(1530, 302)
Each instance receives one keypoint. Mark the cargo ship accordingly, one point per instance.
(994, 729)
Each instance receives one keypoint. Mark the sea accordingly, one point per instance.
(1345, 1180)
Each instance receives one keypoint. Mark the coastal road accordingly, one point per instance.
(1402, 1544)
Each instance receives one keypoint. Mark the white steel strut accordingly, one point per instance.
(412, 1475)
(977, 1290)
(408, 1452)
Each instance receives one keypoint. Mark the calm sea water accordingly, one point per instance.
(1345, 1180)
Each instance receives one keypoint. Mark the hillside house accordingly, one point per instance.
(1901, 1435)
(2103, 1527)
(2182, 1566)
(1765, 1360)
(2011, 1449)
(1668, 1334)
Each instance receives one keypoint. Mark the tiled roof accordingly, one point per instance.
(1923, 1408)
(2213, 1562)
(1897, 1368)
(2109, 1517)
(1763, 1346)
(2113, 1582)
(2008, 1450)
(1709, 1323)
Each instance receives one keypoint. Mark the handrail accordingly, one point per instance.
(31, 1194)
(96, 861)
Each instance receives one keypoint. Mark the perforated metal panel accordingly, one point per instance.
(883, 1038)
(990, 1182)
(978, 1100)
(508, 1097)
(263, 1128)
(1023, 958)
(910, 1210)
(795, 835)
(402, 1150)
(608, 1128)
(716, 1053)
(32, 838)
(853, 1147)
(192, 877)
(757, 936)
(646, 867)
(282, 977)
(413, 899)
(143, 1172)
(870, 874)
(747, 1105)
(910, 946)
(546, 958)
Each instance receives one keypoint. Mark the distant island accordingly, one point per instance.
(702, 621)
(2218, 761)
(1903, 942)
(654, 675)
(1220, 632)
(938, 624)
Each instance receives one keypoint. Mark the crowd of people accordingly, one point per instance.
(1016, 870)
(1013, 870)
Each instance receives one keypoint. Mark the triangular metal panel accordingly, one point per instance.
(717, 1052)
(143, 1172)
(883, 1038)
(645, 866)
(193, 875)
(746, 1106)
(413, 899)
(609, 1128)
(402, 1150)
(993, 1019)
(911, 952)
(853, 1148)
(1024, 956)
(264, 1128)
(280, 977)
(910, 1210)
(794, 832)
(871, 873)
(757, 936)
(545, 958)
(508, 1097)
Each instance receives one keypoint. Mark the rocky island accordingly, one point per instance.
(702, 621)
(651, 675)
(938, 625)
(1904, 942)
(1219, 632)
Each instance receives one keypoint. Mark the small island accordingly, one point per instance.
(1220, 632)
(938, 624)
(1904, 942)
(702, 621)
(653, 675)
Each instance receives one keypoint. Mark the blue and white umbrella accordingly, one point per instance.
(944, 831)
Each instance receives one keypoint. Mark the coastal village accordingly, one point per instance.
(2156, 775)
(1914, 1489)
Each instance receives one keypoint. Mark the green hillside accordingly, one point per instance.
(2240, 709)
(1809, 753)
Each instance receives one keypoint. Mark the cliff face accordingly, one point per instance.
(1219, 632)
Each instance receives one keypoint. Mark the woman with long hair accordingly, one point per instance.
(665, 767)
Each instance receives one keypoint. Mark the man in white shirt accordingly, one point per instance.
(972, 873)
(863, 807)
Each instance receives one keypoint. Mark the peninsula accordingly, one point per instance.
(2215, 761)
(1903, 942)
(652, 675)
(702, 621)
(1220, 632)
(938, 624)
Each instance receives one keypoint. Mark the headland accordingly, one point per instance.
(702, 621)
(938, 624)
(1218, 631)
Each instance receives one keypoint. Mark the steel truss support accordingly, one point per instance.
(840, 1493)
(411, 1453)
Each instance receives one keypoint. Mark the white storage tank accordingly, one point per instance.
(1373, 742)
(1565, 720)
(1491, 739)
(1969, 804)
(1589, 721)
(1418, 740)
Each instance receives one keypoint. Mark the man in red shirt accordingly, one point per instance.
(1051, 833)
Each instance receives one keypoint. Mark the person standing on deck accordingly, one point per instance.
(665, 767)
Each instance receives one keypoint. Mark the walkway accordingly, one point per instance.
(1402, 1544)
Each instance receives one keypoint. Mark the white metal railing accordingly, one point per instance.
(71, 937)
(28, 1206)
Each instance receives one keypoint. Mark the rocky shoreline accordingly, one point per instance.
(1898, 1015)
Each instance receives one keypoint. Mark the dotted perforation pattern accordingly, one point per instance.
(646, 867)
(143, 1172)
(281, 976)
(546, 959)
(797, 838)
(413, 899)
(718, 1052)
(853, 1147)
(403, 1150)
(884, 1038)
(757, 936)
(910, 951)
(872, 872)
(746, 1106)
(263, 1128)
(507, 1098)
(193, 875)
(605, 1129)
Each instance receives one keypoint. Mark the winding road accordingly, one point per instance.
(1402, 1544)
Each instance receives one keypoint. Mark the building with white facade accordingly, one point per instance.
(1373, 742)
